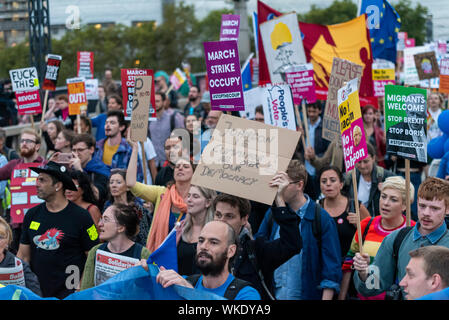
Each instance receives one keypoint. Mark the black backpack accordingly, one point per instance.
(231, 291)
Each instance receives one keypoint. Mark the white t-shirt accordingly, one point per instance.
(364, 190)
(150, 153)
(433, 130)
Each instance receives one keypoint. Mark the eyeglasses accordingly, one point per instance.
(27, 141)
(79, 150)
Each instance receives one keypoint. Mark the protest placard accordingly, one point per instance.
(128, 78)
(300, 79)
(342, 71)
(243, 155)
(143, 89)
(224, 76)
(405, 122)
(278, 106)
(28, 102)
(76, 92)
(85, 64)
(352, 136)
(24, 79)
(253, 98)
(383, 74)
(230, 24)
(444, 76)
(351, 125)
(283, 46)
(52, 71)
(411, 76)
(426, 65)
(108, 264)
(91, 89)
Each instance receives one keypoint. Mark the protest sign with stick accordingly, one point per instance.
(405, 124)
(77, 97)
(140, 110)
(352, 137)
(50, 80)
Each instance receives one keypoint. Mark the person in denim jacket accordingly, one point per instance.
(311, 274)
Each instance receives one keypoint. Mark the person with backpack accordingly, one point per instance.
(389, 264)
(374, 229)
(314, 273)
(217, 246)
(369, 179)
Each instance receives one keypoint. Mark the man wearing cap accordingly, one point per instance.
(56, 234)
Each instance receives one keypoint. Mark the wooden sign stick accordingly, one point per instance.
(407, 192)
(299, 124)
(306, 123)
(32, 121)
(357, 211)
(44, 110)
(78, 120)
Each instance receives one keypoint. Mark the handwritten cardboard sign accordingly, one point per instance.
(24, 79)
(128, 77)
(342, 70)
(141, 108)
(243, 156)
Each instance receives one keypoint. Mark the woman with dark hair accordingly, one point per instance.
(63, 142)
(50, 131)
(120, 194)
(85, 125)
(118, 227)
(340, 207)
(84, 197)
(374, 134)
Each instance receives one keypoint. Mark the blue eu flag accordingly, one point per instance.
(383, 23)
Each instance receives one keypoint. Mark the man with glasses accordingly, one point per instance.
(30, 143)
(83, 148)
(315, 272)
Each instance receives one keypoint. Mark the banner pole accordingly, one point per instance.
(407, 192)
(306, 126)
(32, 121)
(44, 110)
(299, 124)
(357, 211)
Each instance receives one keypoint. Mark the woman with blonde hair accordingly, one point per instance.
(392, 204)
(199, 212)
(9, 262)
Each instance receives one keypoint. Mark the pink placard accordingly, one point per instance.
(28, 102)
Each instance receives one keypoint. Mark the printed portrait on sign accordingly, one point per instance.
(357, 135)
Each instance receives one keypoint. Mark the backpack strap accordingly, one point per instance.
(316, 226)
(193, 279)
(234, 288)
(397, 244)
(365, 232)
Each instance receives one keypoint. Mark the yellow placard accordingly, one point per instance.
(383, 74)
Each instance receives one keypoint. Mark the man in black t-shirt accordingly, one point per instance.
(57, 234)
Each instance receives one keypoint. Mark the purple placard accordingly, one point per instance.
(224, 76)
(230, 24)
(300, 79)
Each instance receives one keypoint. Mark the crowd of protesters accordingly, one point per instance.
(98, 192)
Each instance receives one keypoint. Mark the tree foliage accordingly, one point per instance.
(180, 37)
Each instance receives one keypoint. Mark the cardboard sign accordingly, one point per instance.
(405, 122)
(382, 75)
(342, 71)
(29, 102)
(91, 89)
(23, 191)
(77, 95)
(278, 106)
(283, 46)
(230, 26)
(52, 71)
(300, 79)
(426, 65)
(128, 77)
(85, 64)
(242, 166)
(141, 107)
(24, 79)
(444, 75)
(351, 125)
(224, 76)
